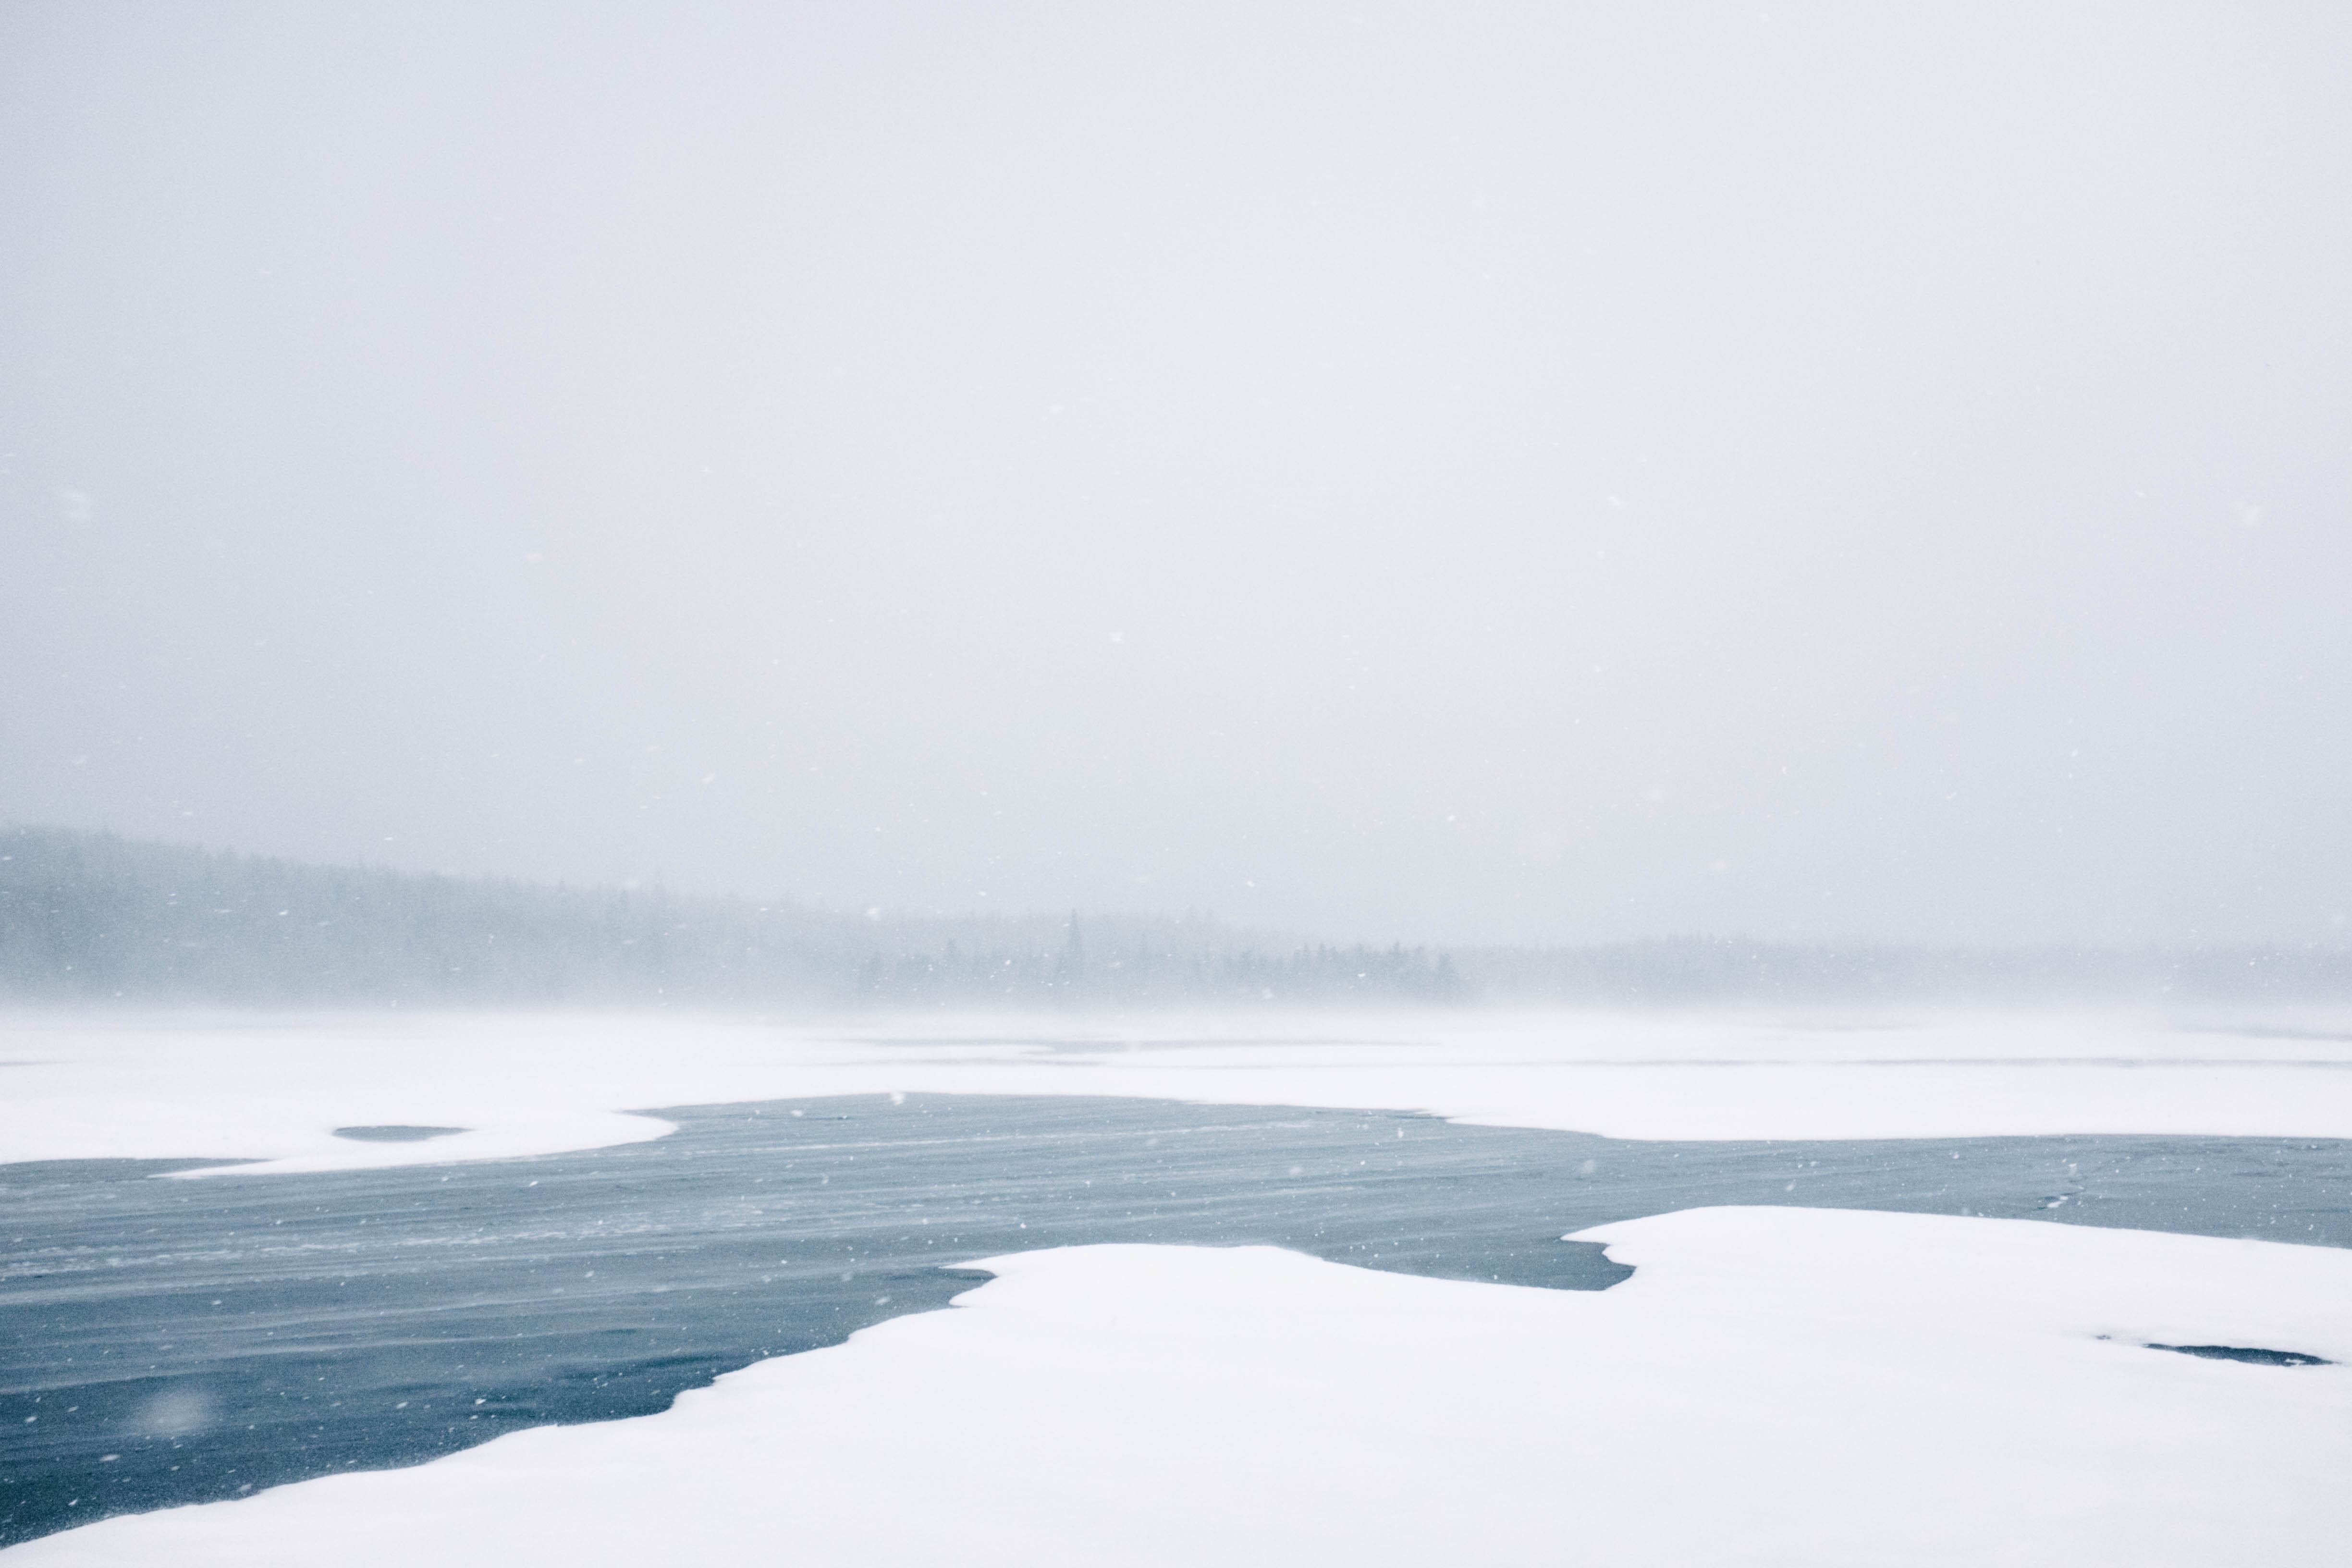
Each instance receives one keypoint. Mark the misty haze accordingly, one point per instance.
(1160, 783)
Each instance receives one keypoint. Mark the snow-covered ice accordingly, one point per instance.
(274, 1089)
(1772, 1386)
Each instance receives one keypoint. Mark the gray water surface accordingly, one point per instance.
(171, 1341)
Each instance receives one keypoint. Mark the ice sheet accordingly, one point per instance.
(1772, 1386)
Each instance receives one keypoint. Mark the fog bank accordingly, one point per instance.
(1510, 474)
(91, 919)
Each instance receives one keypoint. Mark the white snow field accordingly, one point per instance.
(1772, 1386)
(274, 1087)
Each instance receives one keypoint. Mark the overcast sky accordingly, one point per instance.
(1545, 472)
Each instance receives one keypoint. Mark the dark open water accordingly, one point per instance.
(171, 1341)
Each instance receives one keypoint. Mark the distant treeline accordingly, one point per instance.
(90, 917)
(1703, 970)
(87, 916)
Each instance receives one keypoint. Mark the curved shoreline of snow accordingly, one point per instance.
(1772, 1386)
(273, 1090)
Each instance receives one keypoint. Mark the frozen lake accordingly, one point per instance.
(171, 1341)
(1290, 1286)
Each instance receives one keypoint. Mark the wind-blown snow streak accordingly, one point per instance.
(1772, 1386)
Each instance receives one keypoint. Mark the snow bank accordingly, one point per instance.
(1773, 1386)
(274, 1089)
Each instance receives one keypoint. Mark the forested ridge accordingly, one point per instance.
(89, 917)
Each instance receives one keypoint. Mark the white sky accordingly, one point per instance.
(1527, 472)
